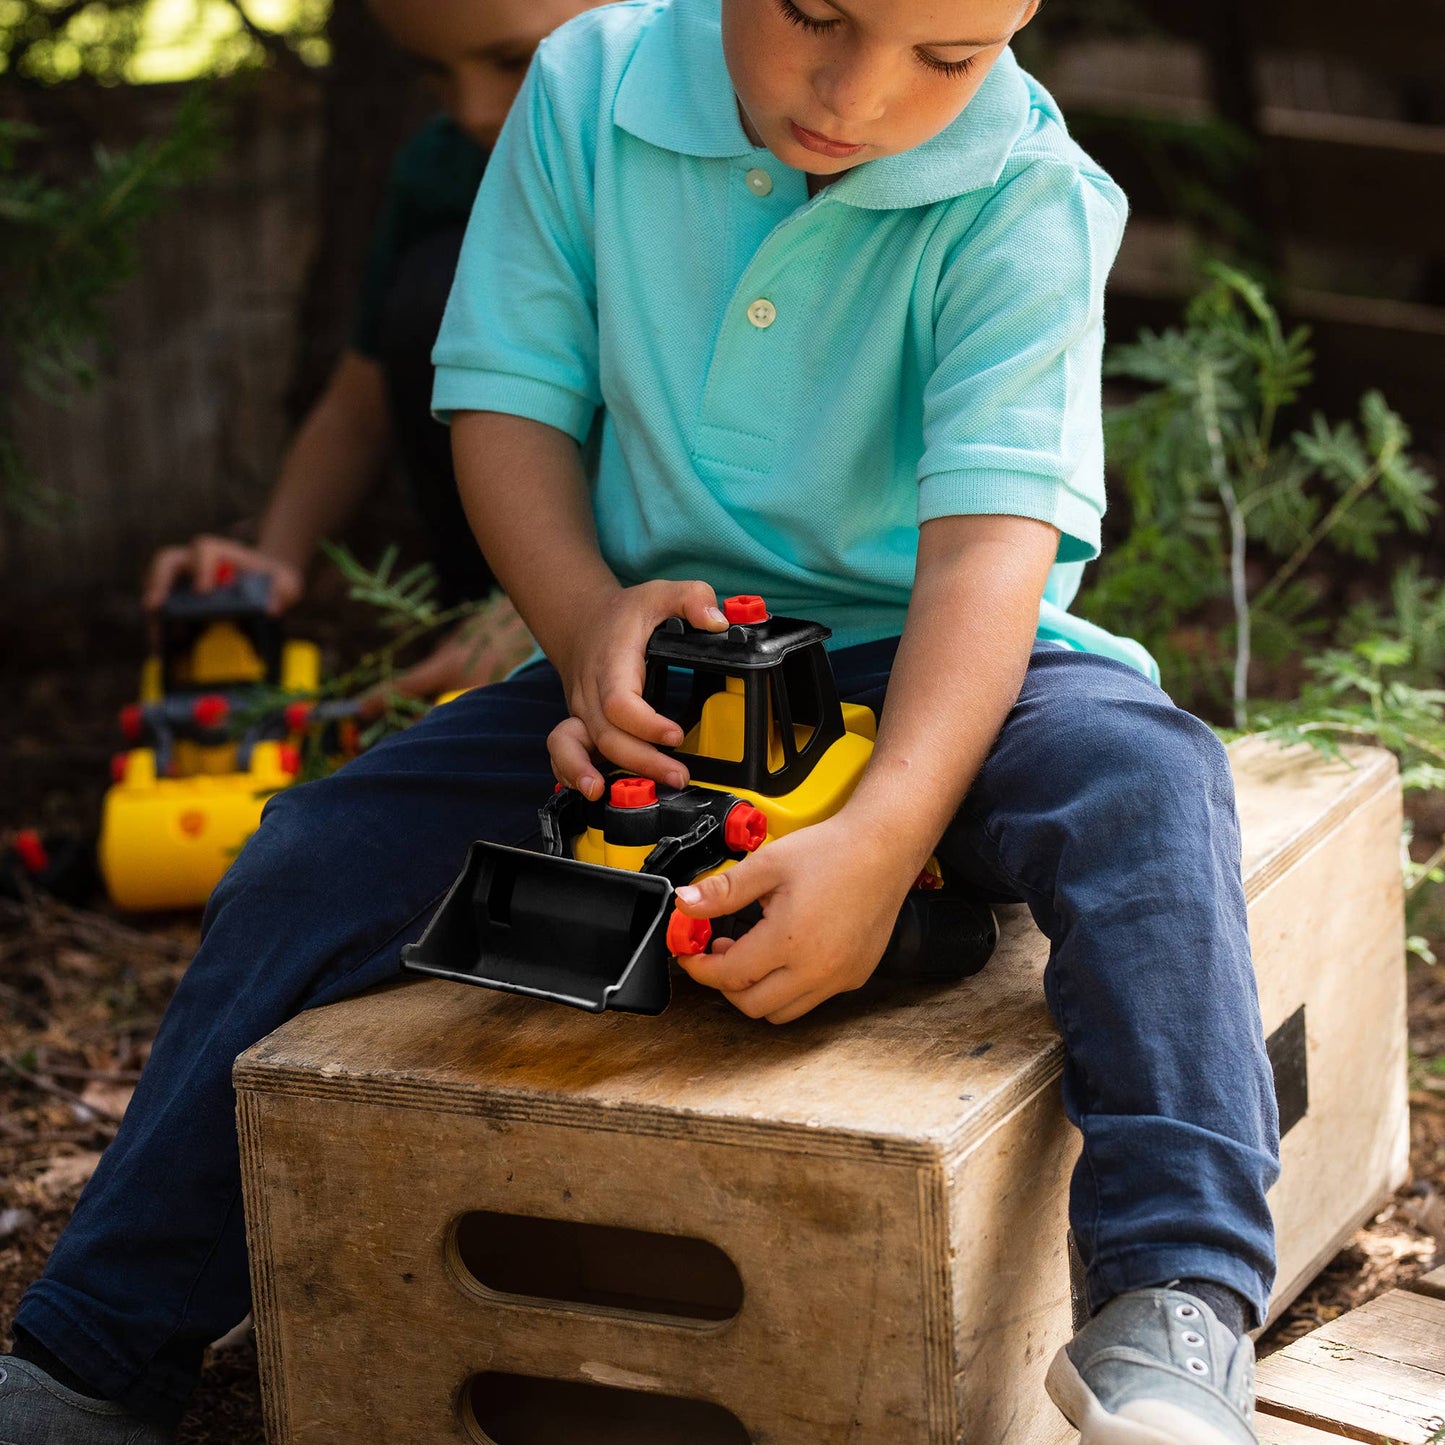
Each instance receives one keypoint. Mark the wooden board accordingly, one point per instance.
(888, 1176)
(1274, 1430)
(1375, 1373)
(1432, 1284)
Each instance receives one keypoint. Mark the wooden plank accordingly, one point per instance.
(1377, 1372)
(1403, 41)
(1309, 162)
(1275, 1430)
(1432, 1284)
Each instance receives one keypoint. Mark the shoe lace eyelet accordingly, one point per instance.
(1196, 1366)
(1192, 1339)
(1186, 1312)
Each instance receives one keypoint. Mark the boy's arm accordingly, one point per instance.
(832, 892)
(526, 496)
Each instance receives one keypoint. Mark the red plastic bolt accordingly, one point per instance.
(686, 935)
(132, 722)
(30, 850)
(633, 793)
(289, 758)
(745, 827)
(225, 573)
(745, 609)
(298, 715)
(210, 711)
(117, 767)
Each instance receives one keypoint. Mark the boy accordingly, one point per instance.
(377, 397)
(822, 285)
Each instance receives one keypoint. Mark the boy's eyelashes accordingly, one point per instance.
(814, 26)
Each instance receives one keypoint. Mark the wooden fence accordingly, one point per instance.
(184, 426)
(1345, 114)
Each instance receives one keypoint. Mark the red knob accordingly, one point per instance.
(745, 827)
(30, 850)
(225, 573)
(745, 609)
(633, 793)
(132, 722)
(210, 711)
(289, 757)
(687, 935)
(298, 715)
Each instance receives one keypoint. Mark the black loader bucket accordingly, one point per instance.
(553, 928)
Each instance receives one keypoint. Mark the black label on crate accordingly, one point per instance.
(1287, 1057)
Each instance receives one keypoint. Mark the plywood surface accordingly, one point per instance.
(1375, 1373)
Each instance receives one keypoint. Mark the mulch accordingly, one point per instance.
(82, 990)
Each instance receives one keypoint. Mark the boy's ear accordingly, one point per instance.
(1030, 10)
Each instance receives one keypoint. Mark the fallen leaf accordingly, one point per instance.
(66, 1176)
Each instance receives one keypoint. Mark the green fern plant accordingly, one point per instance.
(1230, 523)
(1226, 512)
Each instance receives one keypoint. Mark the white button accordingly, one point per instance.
(762, 313)
(759, 182)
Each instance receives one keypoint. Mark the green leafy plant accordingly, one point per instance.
(1226, 512)
(63, 250)
(1233, 522)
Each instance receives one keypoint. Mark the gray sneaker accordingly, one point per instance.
(36, 1410)
(1154, 1367)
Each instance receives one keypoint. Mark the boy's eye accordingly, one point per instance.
(814, 26)
(794, 16)
(947, 67)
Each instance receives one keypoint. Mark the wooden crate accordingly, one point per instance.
(473, 1216)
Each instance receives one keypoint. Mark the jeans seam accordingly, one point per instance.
(992, 831)
(195, 1284)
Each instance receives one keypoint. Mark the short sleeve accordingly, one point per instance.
(1012, 415)
(520, 330)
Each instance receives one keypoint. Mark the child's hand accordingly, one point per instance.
(829, 906)
(205, 559)
(604, 674)
(480, 649)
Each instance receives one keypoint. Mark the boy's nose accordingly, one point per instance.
(856, 93)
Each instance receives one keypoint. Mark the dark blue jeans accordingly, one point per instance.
(1102, 806)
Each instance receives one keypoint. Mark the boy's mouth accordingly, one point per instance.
(821, 144)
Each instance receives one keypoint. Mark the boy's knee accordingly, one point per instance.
(1146, 765)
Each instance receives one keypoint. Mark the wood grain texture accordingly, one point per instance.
(1275, 1430)
(1377, 1372)
(889, 1175)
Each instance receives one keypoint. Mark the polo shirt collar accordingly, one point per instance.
(676, 94)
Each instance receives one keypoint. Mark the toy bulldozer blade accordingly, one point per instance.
(553, 928)
(595, 937)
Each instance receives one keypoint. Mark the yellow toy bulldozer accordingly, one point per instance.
(590, 920)
(224, 705)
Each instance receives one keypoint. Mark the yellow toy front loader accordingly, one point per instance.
(589, 920)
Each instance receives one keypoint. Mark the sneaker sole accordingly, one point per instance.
(1098, 1426)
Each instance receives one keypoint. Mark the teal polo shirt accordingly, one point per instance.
(777, 390)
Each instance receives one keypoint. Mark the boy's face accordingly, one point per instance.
(873, 77)
(477, 50)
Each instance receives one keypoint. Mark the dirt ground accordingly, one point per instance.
(82, 991)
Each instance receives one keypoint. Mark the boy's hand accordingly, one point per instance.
(203, 557)
(604, 674)
(829, 906)
(480, 649)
